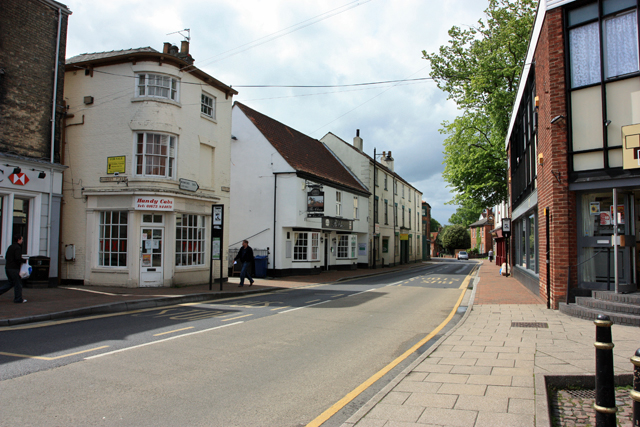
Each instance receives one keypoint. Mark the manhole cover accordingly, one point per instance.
(529, 325)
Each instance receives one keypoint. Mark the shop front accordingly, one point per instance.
(148, 241)
(30, 198)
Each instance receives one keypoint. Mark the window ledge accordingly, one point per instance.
(211, 119)
(111, 270)
(156, 99)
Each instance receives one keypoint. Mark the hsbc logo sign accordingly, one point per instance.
(19, 178)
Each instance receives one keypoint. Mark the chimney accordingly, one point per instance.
(357, 141)
(389, 161)
(166, 47)
(184, 47)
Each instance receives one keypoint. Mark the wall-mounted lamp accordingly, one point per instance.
(540, 159)
(607, 123)
(41, 175)
(16, 169)
(556, 119)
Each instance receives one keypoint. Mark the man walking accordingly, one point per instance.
(12, 268)
(245, 255)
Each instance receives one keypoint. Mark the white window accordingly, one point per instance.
(338, 203)
(409, 194)
(409, 218)
(190, 235)
(300, 248)
(343, 247)
(208, 105)
(155, 155)
(355, 207)
(348, 246)
(157, 85)
(395, 187)
(315, 238)
(112, 244)
(402, 190)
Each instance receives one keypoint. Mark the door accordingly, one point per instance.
(151, 256)
(596, 227)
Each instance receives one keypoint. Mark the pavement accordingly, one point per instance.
(491, 369)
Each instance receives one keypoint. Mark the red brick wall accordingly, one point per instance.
(553, 191)
(27, 56)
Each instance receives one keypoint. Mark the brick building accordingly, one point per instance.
(480, 232)
(32, 51)
(573, 147)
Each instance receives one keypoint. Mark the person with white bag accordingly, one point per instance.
(14, 261)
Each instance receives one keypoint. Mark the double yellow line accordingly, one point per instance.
(368, 383)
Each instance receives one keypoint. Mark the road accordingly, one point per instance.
(276, 359)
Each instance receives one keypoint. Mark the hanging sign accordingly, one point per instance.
(315, 203)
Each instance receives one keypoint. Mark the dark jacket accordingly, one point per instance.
(14, 257)
(245, 255)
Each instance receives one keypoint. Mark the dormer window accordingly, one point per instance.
(157, 86)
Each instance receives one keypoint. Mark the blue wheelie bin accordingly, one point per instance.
(261, 266)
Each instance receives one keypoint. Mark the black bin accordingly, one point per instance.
(40, 268)
(261, 266)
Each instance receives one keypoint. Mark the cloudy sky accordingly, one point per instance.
(294, 42)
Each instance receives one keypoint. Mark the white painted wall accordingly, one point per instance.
(107, 128)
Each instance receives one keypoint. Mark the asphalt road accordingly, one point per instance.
(276, 359)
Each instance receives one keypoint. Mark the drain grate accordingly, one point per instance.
(529, 325)
(581, 394)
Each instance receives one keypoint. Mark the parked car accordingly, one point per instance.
(463, 255)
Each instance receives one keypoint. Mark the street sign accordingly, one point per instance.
(506, 227)
(188, 185)
(217, 233)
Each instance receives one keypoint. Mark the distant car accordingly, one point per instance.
(463, 255)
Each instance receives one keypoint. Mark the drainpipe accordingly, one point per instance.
(53, 129)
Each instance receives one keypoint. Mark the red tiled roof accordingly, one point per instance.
(305, 154)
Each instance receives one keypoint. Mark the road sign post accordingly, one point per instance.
(506, 232)
(217, 240)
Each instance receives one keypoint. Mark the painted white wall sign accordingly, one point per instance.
(154, 203)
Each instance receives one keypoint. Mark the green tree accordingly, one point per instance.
(455, 237)
(434, 224)
(480, 69)
(466, 214)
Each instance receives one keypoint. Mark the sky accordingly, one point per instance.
(310, 43)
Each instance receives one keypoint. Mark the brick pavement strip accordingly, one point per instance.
(574, 407)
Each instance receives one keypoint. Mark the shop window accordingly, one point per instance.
(385, 245)
(190, 240)
(300, 248)
(315, 238)
(112, 249)
(343, 247)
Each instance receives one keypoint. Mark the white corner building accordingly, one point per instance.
(148, 147)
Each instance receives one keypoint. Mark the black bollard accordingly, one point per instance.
(605, 404)
(635, 393)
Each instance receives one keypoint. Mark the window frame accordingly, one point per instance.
(142, 90)
(142, 158)
(338, 203)
(204, 106)
(103, 240)
(190, 246)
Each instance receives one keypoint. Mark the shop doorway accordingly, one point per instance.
(596, 257)
(151, 257)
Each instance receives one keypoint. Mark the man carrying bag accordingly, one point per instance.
(14, 261)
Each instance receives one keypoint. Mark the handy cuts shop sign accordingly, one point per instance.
(154, 203)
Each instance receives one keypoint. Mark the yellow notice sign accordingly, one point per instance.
(116, 164)
(404, 236)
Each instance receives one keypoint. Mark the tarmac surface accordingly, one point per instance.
(491, 369)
